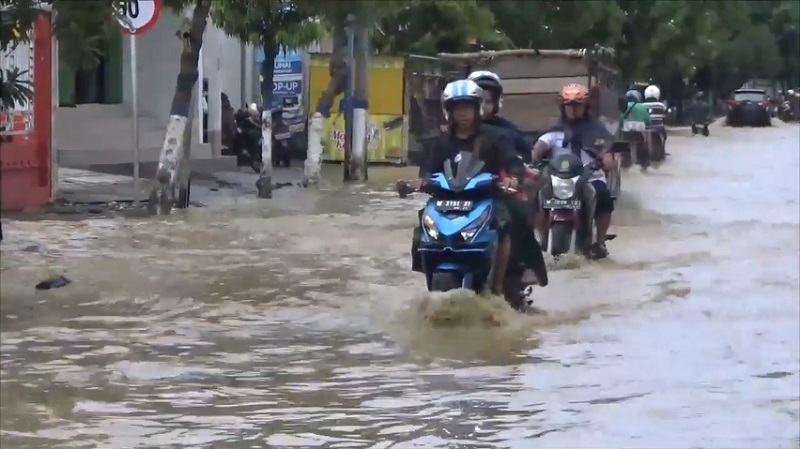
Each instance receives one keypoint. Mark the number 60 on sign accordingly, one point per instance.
(137, 16)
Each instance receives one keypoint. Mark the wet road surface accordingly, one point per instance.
(297, 323)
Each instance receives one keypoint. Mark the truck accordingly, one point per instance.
(532, 79)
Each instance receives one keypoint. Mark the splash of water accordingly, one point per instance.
(462, 325)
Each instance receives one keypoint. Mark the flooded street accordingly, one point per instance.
(297, 322)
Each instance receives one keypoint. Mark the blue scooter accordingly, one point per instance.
(458, 235)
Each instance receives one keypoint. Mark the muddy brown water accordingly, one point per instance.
(297, 323)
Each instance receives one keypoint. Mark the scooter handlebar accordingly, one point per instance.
(404, 188)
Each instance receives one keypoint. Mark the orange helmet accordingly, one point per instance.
(574, 93)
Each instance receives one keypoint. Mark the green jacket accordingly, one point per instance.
(635, 112)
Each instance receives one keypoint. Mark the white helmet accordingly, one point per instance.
(489, 81)
(461, 90)
(652, 91)
(790, 92)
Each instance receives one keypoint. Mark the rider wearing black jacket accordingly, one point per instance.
(493, 101)
(466, 134)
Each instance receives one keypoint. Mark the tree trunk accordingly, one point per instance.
(338, 73)
(264, 183)
(174, 151)
(337, 68)
(360, 154)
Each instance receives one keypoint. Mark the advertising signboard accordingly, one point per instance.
(288, 86)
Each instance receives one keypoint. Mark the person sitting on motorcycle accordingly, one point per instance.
(462, 104)
(700, 114)
(656, 109)
(493, 101)
(635, 109)
(492, 87)
(578, 128)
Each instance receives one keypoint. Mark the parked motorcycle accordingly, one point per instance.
(247, 143)
(281, 140)
(458, 234)
(570, 222)
(786, 113)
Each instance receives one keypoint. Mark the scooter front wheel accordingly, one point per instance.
(444, 281)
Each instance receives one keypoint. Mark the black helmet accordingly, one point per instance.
(634, 96)
(488, 81)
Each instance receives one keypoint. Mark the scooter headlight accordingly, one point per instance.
(564, 188)
(430, 227)
(469, 232)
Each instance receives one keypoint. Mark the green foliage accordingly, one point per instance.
(16, 21)
(427, 27)
(711, 42)
(266, 23)
(14, 91)
(733, 40)
(83, 29)
(271, 25)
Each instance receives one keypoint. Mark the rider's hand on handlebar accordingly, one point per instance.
(416, 184)
(508, 183)
(607, 161)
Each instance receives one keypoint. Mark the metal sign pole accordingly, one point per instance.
(135, 104)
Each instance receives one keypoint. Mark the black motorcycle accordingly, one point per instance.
(247, 143)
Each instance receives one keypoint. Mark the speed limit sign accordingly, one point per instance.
(137, 16)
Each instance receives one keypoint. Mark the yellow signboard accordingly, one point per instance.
(386, 124)
(385, 138)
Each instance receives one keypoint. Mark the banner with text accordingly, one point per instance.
(287, 86)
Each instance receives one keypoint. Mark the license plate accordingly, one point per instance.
(555, 203)
(453, 205)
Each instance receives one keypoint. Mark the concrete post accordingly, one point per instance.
(313, 165)
(264, 183)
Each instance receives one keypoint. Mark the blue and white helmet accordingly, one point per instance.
(461, 90)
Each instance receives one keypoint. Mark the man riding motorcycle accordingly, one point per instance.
(635, 109)
(633, 123)
(492, 87)
(700, 115)
(578, 129)
(462, 104)
(656, 109)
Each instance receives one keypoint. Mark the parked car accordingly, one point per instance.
(749, 107)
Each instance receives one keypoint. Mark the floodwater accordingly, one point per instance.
(296, 323)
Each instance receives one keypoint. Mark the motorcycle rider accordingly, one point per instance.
(577, 128)
(635, 109)
(656, 109)
(492, 87)
(462, 105)
(700, 114)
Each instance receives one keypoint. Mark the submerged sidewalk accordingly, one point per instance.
(87, 187)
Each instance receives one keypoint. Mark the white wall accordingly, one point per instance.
(159, 50)
(158, 60)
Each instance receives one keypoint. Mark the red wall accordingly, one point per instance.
(25, 160)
